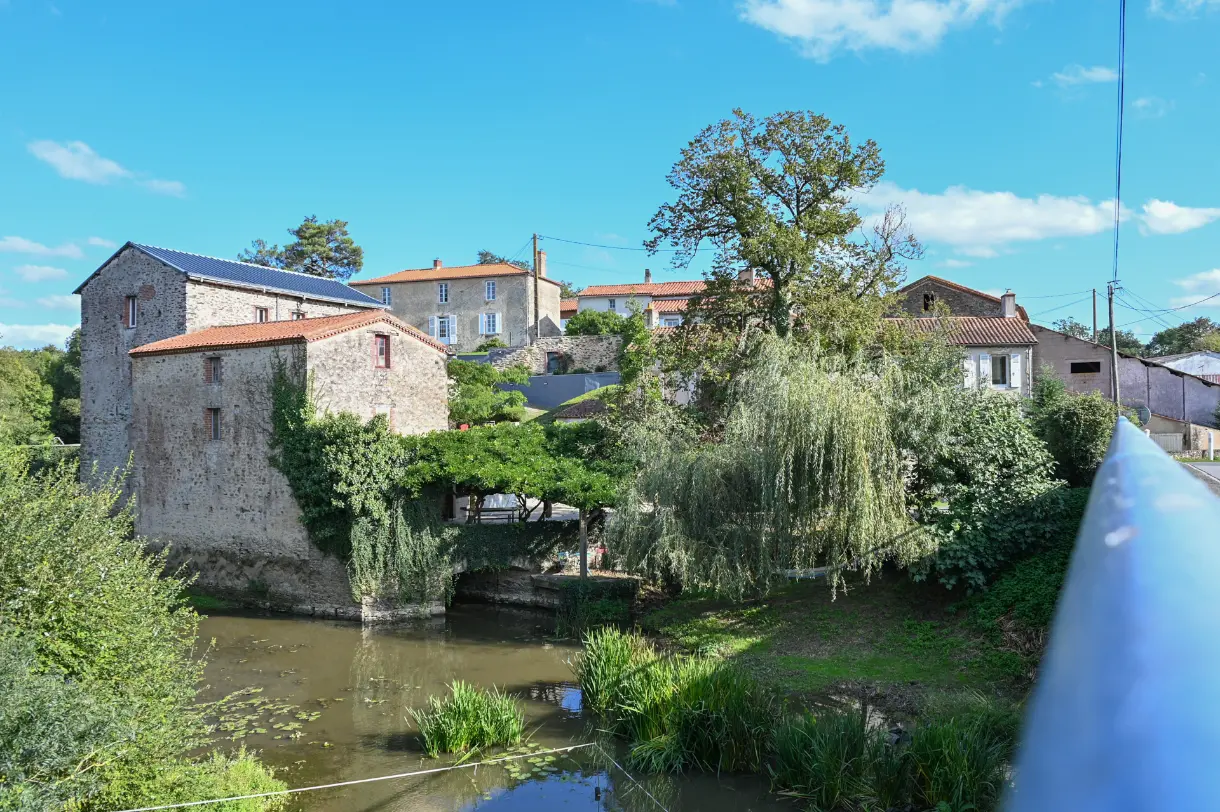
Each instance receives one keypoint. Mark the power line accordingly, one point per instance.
(1118, 149)
(1152, 306)
(1061, 307)
(1058, 295)
(1152, 315)
(608, 247)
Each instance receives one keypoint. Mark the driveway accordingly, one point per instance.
(1209, 472)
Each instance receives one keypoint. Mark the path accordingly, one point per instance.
(1209, 472)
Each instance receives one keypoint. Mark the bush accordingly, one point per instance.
(959, 762)
(594, 323)
(491, 344)
(468, 719)
(825, 760)
(610, 657)
(1076, 428)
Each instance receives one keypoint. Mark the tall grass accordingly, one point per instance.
(610, 658)
(960, 762)
(469, 719)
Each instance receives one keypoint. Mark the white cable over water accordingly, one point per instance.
(403, 775)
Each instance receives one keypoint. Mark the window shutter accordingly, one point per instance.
(126, 310)
(452, 329)
(207, 424)
(207, 370)
(1014, 370)
(499, 322)
(482, 324)
(968, 370)
(432, 326)
(984, 369)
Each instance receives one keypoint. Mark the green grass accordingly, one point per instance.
(890, 631)
(469, 719)
(546, 418)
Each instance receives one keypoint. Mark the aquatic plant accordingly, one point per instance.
(603, 667)
(468, 719)
(959, 761)
(824, 759)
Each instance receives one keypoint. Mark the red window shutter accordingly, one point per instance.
(387, 366)
(123, 316)
(207, 370)
(207, 424)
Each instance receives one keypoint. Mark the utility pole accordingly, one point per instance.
(1113, 343)
(1094, 315)
(537, 316)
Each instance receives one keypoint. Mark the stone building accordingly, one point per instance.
(922, 296)
(662, 303)
(143, 294)
(200, 430)
(464, 306)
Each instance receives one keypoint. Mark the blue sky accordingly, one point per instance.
(439, 129)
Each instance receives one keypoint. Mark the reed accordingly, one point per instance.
(469, 719)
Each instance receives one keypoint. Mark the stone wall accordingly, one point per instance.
(591, 353)
(414, 391)
(959, 302)
(209, 305)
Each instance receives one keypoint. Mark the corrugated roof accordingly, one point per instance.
(245, 275)
(271, 333)
(489, 271)
(955, 286)
(977, 331)
(645, 289)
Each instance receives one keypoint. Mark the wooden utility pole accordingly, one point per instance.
(1113, 343)
(1094, 315)
(537, 315)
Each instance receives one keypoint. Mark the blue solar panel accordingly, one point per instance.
(256, 276)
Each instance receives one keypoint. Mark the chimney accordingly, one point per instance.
(436, 263)
(1008, 305)
(647, 277)
(746, 276)
(542, 264)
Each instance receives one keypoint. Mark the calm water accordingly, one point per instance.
(335, 699)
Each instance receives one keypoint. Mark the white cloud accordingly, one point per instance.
(955, 263)
(1151, 107)
(76, 160)
(39, 273)
(20, 245)
(1181, 8)
(1080, 75)
(58, 301)
(32, 336)
(1163, 217)
(102, 242)
(822, 28)
(1206, 281)
(979, 224)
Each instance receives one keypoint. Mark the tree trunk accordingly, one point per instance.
(584, 544)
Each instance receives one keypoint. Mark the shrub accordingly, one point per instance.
(960, 762)
(609, 659)
(491, 344)
(594, 323)
(468, 719)
(1076, 428)
(825, 759)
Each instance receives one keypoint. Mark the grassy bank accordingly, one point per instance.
(891, 636)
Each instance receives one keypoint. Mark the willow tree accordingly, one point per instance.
(809, 472)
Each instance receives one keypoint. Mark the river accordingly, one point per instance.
(329, 701)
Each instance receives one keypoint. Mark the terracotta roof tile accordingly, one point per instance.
(568, 307)
(456, 272)
(977, 331)
(649, 289)
(270, 333)
(669, 305)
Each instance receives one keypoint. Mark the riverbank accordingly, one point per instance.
(896, 642)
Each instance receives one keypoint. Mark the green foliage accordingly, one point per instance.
(594, 323)
(960, 763)
(609, 659)
(994, 476)
(488, 258)
(474, 398)
(25, 400)
(1073, 328)
(1188, 337)
(91, 606)
(1076, 428)
(469, 719)
(490, 344)
(827, 761)
(318, 248)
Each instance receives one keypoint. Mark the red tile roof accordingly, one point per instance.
(962, 288)
(456, 272)
(643, 289)
(270, 333)
(976, 331)
(568, 307)
(669, 305)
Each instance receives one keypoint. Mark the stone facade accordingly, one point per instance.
(225, 511)
(924, 293)
(588, 353)
(418, 304)
(215, 305)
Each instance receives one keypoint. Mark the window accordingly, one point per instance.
(929, 301)
(297, 315)
(131, 311)
(386, 297)
(1085, 367)
(381, 351)
(444, 328)
(490, 290)
(261, 315)
(211, 423)
(489, 323)
(442, 293)
(671, 321)
(611, 308)
(999, 370)
(211, 370)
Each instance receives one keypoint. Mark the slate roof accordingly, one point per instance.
(246, 275)
(490, 271)
(272, 333)
(977, 331)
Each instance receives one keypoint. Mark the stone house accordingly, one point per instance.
(1143, 383)
(922, 296)
(464, 306)
(662, 303)
(200, 430)
(143, 294)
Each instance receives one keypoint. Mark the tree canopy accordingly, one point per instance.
(1200, 334)
(595, 323)
(475, 397)
(318, 248)
(1127, 341)
(489, 258)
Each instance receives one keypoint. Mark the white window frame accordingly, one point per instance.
(611, 305)
(1000, 362)
(387, 296)
(262, 315)
(297, 315)
(489, 290)
(489, 324)
(133, 311)
(443, 324)
(442, 293)
(671, 321)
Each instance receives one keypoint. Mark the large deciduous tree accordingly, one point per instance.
(1188, 337)
(319, 248)
(489, 258)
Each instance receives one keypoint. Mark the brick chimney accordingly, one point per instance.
(436, 263)
(647, 276)
(746, 276)
(542, 263)
(1008, 305)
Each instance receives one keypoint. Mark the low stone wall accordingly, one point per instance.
(587, 353)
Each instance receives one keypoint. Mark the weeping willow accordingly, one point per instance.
(404, 556)
(808, 473)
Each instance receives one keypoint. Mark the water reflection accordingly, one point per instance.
(330, 703)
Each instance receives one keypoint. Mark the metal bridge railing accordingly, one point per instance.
(1126, 711)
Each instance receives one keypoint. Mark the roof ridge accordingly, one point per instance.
(237, 262)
